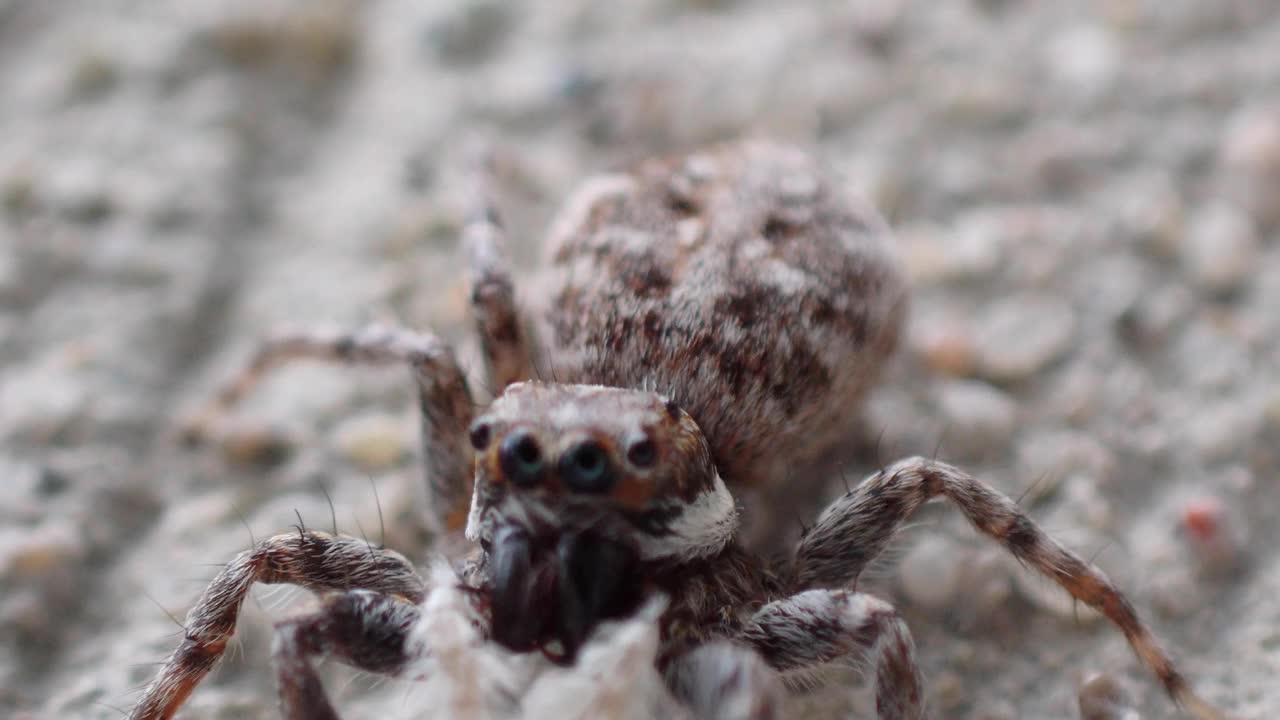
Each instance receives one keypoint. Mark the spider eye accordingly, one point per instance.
(641, 452)
(521, 459)
(585, 468)
(480, 435)
(672, 408)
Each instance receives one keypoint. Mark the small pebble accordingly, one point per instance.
(321, 37)
(1102, 697)
(931, 572)
(1154, 315)
(1176, 593)
(471, 33)
(81, 192)
(42, 565)
(373, 442)
(1152, 216)
(1021, 335)
(42, 401)
(1220, 250)
(946, 691)
(945, 344)
(1251, 159)
(972, 249)
(18, 194)
(48, 551)
(255, 445)
(1048, 456)
(1084, 58)
(997, 710)
(877, 26)
(977, 246)
(1224, 430)
(93, 74)
(987, 585)
(979, 417)
(1215, 534)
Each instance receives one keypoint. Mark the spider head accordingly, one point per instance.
(577, 487)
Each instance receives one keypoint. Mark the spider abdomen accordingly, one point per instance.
(738, 281)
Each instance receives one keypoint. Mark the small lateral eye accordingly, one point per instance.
(672, 408)
(481, 434)
(641, 452)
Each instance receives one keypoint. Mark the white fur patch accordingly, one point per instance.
(705, 527)
(472, 532)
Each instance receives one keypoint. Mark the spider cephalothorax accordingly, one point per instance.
(744, 286)
(576, 487)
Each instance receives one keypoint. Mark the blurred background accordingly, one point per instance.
(1087, 195)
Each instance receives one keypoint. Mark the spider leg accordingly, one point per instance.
(726, 681)
(504, 337)
(314, 560)
(857, 526)
(444, 398)
(363, 629)
(816, 627)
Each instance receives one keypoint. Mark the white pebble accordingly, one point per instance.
(931, 571)
(1251, 160)
(1102, 697)
(1021, 335)
(1220, 249)
(978, 415)
(373, 442)
(1084, 58)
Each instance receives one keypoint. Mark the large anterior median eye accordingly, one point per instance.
(585, 468)
(521, 459)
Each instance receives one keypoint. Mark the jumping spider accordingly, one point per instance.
(709, 320)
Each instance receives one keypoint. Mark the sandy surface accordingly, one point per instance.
(1087, 195)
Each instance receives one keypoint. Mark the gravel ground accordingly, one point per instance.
(1087, 193)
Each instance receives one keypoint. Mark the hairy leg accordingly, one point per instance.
(317, 561)
(817, 627)
(725, 681)
(857, 526)
(504, 337)
(445, 400)
(363, 629)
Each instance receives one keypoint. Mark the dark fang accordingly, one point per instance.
(513, 590)
(598, 581)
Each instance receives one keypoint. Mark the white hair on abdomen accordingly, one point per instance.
(704, 528)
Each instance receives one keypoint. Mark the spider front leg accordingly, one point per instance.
(816, 627)
(317, 561)
(443, 395)
(858, 526)
(366, 630)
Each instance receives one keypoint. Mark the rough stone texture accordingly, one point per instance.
(178, 178)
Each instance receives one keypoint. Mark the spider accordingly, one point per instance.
(706, 321)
